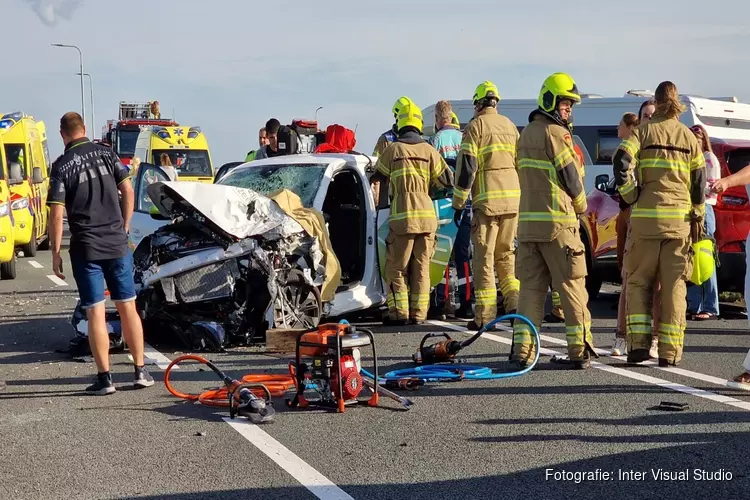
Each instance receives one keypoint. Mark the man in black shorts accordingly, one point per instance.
(85, 181)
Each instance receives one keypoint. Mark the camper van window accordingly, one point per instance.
(14, 154)
(605, 148)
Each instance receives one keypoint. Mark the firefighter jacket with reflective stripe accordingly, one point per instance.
(661, 172)
(552, 194)
(412, 167)
(486, 166)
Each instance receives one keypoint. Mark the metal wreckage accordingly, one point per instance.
(230, 265)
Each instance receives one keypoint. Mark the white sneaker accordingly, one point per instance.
(654, 351)
(621, 347)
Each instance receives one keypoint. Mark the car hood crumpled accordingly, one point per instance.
(238, 212)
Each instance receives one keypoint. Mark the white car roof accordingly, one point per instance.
(359, 161)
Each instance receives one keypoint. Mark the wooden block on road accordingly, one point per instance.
(282, 341)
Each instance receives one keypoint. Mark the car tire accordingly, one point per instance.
(29, 250)
(593, 281)
(8, 269)
(303, 295)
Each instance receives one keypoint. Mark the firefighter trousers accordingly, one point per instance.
(563, 262)
(408, 257)
(493, 238)
(671, 261)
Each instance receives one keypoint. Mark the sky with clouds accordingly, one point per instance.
(229, 65)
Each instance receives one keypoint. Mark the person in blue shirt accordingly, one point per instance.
(447, 141)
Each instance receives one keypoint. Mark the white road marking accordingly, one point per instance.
(626, 373)
(36, 265)
(314, 481)
(154, 357)
(57, 281)
(720, 382)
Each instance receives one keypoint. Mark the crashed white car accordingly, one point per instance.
(226, 251)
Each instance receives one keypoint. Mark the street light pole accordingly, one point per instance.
(91, 101)
(80, 69)
(316, 112)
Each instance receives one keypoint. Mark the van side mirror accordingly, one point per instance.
(601, 182)
(15, 175)
(36, 175)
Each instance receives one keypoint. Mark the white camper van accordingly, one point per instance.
(596, 118)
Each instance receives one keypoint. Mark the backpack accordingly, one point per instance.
(288, 141)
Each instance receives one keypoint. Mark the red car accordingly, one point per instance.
(732, 224)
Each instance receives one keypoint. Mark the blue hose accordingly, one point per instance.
(455, 372)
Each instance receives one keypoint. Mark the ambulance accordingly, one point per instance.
(186, 147)
(7, 227)
(24, 146)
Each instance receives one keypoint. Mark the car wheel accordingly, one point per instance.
(593, 281)
(29, 250)
(298, 305)
(8, 269)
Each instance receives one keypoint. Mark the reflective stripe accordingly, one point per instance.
(413, 214)
(460, 193)
(678, 165)
(419, 299)
(403, 172)
(382, 168)
(629, 147)
(578, 200)
(671, 334)
(697, 162)
(540, 164)
(469, 148)
(547, 217)
(639, 324)
(485, 296)
(556, 298)
(497, 195)
(510, 284)
(660, 213)
(627, 188)
(564, 158)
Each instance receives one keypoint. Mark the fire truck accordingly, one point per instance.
(122, 133)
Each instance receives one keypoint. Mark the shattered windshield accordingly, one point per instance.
(303, 179)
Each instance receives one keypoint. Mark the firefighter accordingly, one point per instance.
(412, 167)
(666, 196)
(550, 247)
(389, 136)
(486, 169)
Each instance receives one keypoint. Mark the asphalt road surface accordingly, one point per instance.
(550, 434)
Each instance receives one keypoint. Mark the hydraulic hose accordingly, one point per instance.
(262, 385)
(455, 372)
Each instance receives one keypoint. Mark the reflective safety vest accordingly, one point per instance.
(411, 169)
(668, 182)
(486, 165)
(549, 172)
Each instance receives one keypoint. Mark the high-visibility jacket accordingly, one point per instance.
(386, 139)
(552, 194)
(486, 165)
(412, 167)
(667, 181)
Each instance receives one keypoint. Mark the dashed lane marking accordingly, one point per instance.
(306, 475)
(710, 379)
(36, 265)
(619, 371)
(154, 357)
(57, 281)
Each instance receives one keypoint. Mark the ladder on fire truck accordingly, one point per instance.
(135, 111)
